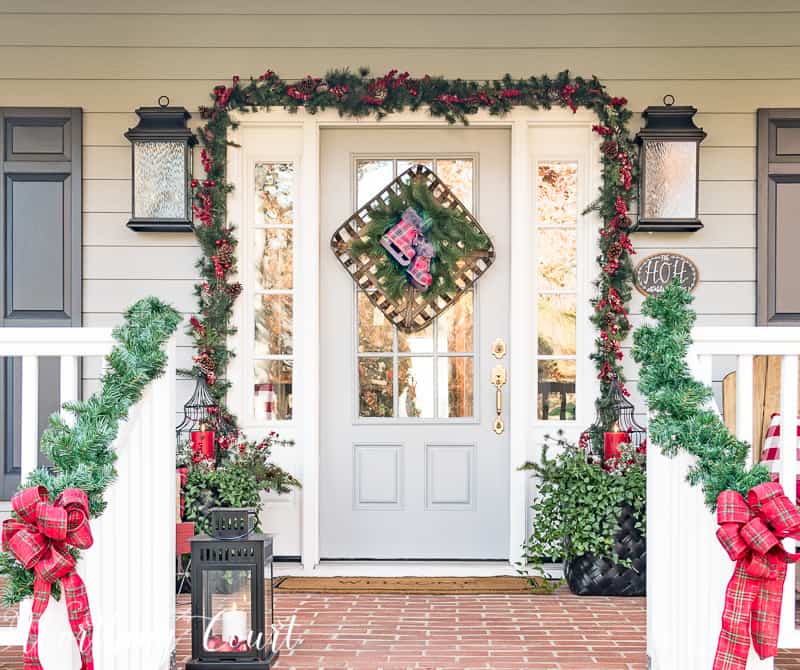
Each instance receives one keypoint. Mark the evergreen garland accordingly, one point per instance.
(449, 231)
(81, 454)
(679, 419)
(360, 95)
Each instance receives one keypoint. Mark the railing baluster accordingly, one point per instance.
(29, 424)
(744, 399)
(68, 384)
(789, 373)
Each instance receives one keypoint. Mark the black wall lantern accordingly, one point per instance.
(670, 161)
(162, 169)
(232, 608)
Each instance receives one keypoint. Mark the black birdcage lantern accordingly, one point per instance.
(618, 415)
(161, 148)
(669, 168)
(199, 410)
(232, 600)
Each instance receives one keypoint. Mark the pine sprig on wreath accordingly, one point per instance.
(449, 231)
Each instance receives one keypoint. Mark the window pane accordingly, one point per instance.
(420, 342)
(557, 194)
(375, 392)
(670, 179)
(454, 395)
(272, 397)
(455, 326)
(556, 324)
(457, 175)
(557, 253)
(415, 386)
(374, 329)
(403, 165)
(274, 194)
(372, 176)
(273, 254)
(556, 396)
(273, 325)
(159, 170)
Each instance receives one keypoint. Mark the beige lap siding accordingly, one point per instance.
(715, 55)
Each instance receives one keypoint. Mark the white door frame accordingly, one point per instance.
(524, 430)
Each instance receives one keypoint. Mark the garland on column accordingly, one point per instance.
(359, 95)
(81, 454)
(753, 513)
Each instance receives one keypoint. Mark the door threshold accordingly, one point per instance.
(381, 568)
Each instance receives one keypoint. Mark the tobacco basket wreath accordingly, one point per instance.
(460, 250)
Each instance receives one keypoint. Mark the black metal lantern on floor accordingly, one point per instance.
(232, 603)
(162, 169)
(669, 166)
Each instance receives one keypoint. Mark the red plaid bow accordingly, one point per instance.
(751, 533)
(39, 538)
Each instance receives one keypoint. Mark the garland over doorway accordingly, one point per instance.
(360, 95)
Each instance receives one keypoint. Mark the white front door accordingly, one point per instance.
(410, 467)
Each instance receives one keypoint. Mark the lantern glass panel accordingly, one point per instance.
(159, 178)
(227, 610)
(670, 180)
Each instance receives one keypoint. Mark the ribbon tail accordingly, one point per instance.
(733, 645)
(80, 618)
(41, 597)
(765, 618)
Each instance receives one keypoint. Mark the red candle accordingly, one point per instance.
(203, 444)
(612, 440)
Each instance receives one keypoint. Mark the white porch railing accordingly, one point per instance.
(687, 569)
(130, 570)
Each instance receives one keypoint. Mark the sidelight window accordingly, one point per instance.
(556, 288)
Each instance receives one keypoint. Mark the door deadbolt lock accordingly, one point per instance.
(499, 348)
(499, 379)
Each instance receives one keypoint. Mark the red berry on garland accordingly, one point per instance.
(194, 183)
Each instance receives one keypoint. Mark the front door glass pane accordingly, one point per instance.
(428, 374)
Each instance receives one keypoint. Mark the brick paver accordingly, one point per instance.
(486, 632)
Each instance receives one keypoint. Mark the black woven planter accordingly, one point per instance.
(588, 575)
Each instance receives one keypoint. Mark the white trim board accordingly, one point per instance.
(298, 135)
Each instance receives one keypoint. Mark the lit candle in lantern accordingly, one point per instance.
(202, 444)
(612, 440)
(234, 625)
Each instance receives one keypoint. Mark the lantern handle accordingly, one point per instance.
(163, 101)
(669, 99)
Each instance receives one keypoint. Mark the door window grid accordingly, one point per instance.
(556, 224)
(424, 375)
(273, 290)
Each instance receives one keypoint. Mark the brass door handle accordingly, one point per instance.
(498, 380)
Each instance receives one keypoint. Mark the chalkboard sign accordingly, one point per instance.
(654, 272)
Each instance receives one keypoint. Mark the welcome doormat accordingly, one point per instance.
(409, 585)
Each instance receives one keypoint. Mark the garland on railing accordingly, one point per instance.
(359, 95)
(81, 454)
(754, 515)
(677, 402)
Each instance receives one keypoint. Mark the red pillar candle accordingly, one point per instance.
(203, 444)
(612, 440)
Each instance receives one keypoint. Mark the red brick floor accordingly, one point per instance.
(487, 632)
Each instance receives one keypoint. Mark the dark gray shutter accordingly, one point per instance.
(778, 215)
(40, 252)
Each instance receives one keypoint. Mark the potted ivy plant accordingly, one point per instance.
(590, 516)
